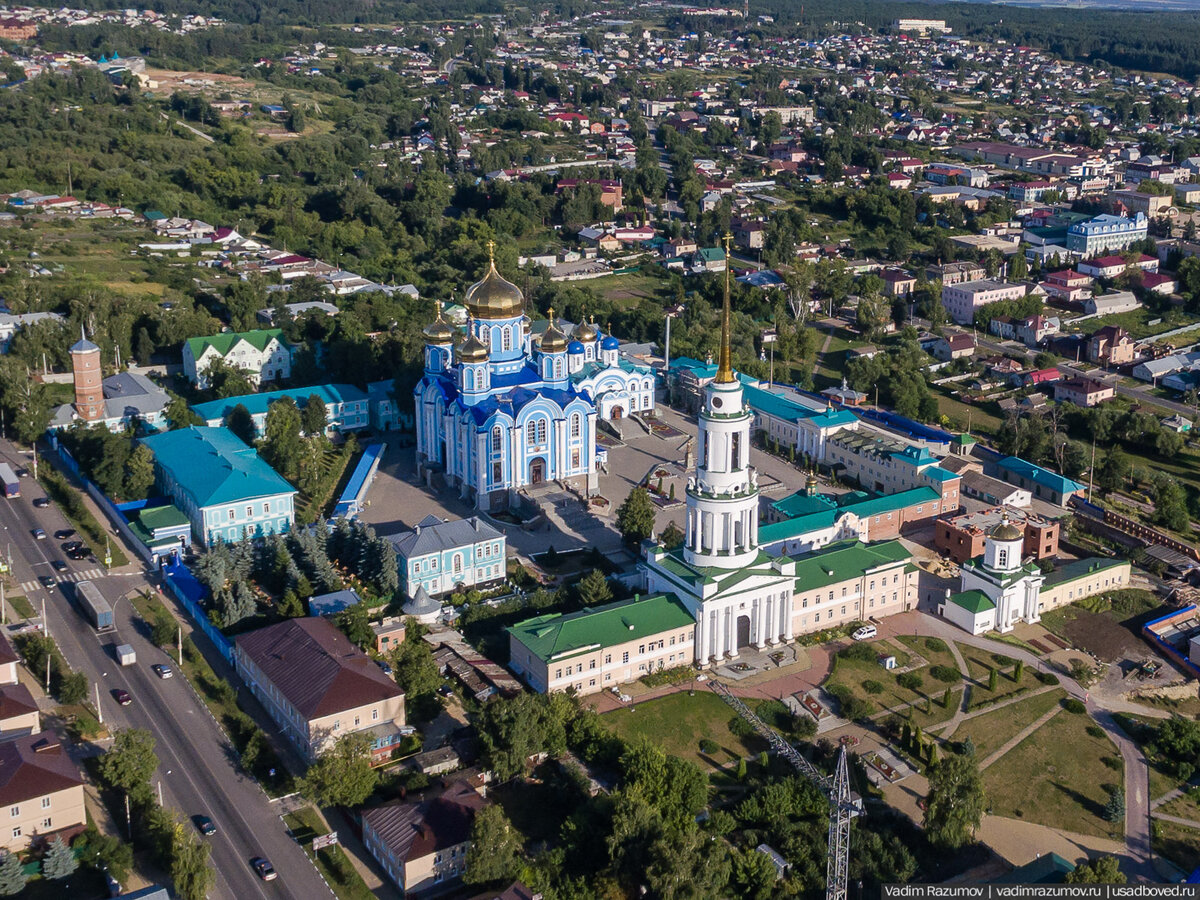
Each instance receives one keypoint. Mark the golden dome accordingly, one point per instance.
(439, 331)
(472, 350)
(588, 332)
(553, 340)
(492, 297)
(1006, 531)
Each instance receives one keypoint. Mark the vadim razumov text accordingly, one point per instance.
(1040, 891)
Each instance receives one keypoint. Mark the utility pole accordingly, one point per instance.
(3, 607)
(160, 800)
(99, 710)
(128, 819)
(1092, 469)
(179, 645)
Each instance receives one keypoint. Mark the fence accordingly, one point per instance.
(189, 591)
(110, 510)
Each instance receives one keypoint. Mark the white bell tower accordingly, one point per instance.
(722, 497)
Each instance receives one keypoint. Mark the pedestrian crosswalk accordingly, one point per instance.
(87, 575)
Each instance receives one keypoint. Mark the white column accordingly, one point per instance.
(756, 625)
(714, 635)
(787, 617)
(730, 648)
(769, 620)
(701, 636)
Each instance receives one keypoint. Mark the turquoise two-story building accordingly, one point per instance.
(441, 556)
(222, 485)
(346, 406)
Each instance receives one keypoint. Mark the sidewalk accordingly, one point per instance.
(1019, 736)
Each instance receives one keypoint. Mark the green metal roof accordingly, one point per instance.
(1082, 568)
(893, 502)
(974, 602)
(801, 504)
(849, 559)
(223, 343)
(790, 528)
(214, 467)
(557, 636)
(146, 521)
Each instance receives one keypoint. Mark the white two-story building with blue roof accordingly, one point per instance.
(440, 556)
(222, 485)
(347, 407)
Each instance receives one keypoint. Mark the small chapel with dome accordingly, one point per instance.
(499, 409)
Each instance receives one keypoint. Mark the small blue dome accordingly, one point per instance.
(575, 347)
(610, 343)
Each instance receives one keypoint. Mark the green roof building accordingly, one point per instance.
(222, 485)
(596, 649)
(264, 354)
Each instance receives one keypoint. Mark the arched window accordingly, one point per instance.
(497, 439)
(458, 563)
(506, 339)
(558, 367)
(1003, 558)
(535, 433)
(576, 425)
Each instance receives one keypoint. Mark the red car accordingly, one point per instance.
(122, 697)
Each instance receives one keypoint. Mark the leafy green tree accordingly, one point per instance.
(355, 622)
(993, 678)
(241, 423)
(672, 536)
(1018, 670)
(754, 875)
(1113, 471)
(180, 415)
(59, 862)
(191, 871)
(105, 851)
(290, 606)
(415, 669)
(342, 775)
(635, 517)
(312, 417)
(1105, 870)
(593, 589)
(12, 875)
(139, 473)
(955, 802)
(129, 762)
(73, 688)
(282, 445)
(495, 851)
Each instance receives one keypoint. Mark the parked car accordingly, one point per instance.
(39, 534)
(162, 671)
(41, 502)
(865, 633)
(122, 697)
(63, 533)
(387, 669)
(206, 826)
(263, 867)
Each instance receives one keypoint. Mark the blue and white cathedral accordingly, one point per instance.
(502, 409)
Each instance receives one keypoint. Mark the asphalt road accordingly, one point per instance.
(197, 767)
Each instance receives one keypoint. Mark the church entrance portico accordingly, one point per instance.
(616, 413)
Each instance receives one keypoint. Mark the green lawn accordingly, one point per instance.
(1056, 777)
(19, 607)
(990, 730)
(978, 662)
(920, 645)
(981, 421)
(1136, 322)
(677, 723)
(1185, 807)
(855, 673)
(331, 862)
(1178, 843)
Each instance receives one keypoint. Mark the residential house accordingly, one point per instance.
(709, 259)
(346, 407)
(1033, 330)
(1110, 267)
(1110, 346)
(41, 786)
(317, 686)
(1082, 391)
(1068, 285)
(18, 709)
(956, 272)
(423, 845)
(897, 282)
(1158, 283)
(265, 355)
(993, 490)
(443, 556)
(11, 323)
(123, 399)
(751, 235)
(953, 346)
(221, 484)
(296, 310)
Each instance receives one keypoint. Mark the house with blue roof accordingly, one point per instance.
(1040, 482)
(222, 485)
(346, 406)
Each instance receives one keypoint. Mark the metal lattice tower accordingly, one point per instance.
(842, 805)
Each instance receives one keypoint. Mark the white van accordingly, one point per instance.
(865, 633)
